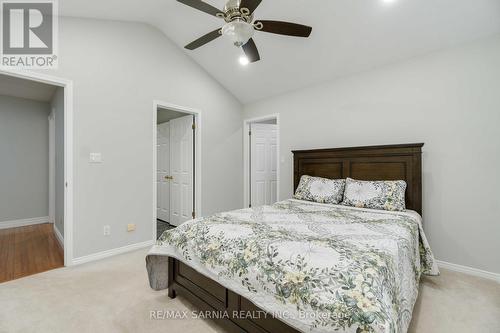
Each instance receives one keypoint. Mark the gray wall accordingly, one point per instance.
(449, 100)
(24, 163)
(57, 104)
(118, 69)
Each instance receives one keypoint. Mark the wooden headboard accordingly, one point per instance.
(392, 162)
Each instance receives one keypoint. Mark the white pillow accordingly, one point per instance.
(320, 189)
(386, 195)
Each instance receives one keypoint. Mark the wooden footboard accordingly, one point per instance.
(208, 295)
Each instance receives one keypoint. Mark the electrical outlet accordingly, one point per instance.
(130, 227)
(107, 230)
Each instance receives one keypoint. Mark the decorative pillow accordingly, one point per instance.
(386, 195)
(320, 189)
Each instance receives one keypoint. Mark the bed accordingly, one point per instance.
(299, 266)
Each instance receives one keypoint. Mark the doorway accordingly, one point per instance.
(177, 166)
(32, 184)
(64, 88)
(261, 161)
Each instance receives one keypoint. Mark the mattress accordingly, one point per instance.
(317, 267)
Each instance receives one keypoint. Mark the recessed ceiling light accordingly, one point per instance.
(244, 61)
(388, 1)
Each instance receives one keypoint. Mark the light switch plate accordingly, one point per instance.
(130, 227)
(95, 158)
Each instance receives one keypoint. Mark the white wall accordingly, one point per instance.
(118, 69)
(449, 100)
(24, 162)
(57, 104)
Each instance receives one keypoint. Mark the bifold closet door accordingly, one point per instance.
(163, 172)
(181, 169)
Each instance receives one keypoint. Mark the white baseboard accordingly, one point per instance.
(110, 253)
(469, 270)
(59, 236)
(23, 222)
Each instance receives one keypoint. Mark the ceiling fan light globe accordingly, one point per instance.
(238, 31)
(244, 61)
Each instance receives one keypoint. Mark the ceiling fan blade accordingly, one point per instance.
(251, 51)
(284, 28)
(204, 40)
(251, 5)
(200, 5)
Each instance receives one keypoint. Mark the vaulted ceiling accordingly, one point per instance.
(349, 36)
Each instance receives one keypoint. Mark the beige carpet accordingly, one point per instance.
(113, 295)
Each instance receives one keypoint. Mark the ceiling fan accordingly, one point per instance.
(238, 15)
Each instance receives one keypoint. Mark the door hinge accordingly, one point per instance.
(194, 215)
(249, 132)
(250, 206)
(194, 126)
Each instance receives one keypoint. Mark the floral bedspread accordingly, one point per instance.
(318, 267)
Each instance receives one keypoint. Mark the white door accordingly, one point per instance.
(263, 164)
(181, 169)
(163, 172)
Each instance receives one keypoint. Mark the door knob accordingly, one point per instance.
(169, 177)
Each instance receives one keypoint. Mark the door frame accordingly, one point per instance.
(198, 149)
(246, 156)
(67, 85)
(52, 166)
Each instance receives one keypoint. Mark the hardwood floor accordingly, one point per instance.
(28, 250)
